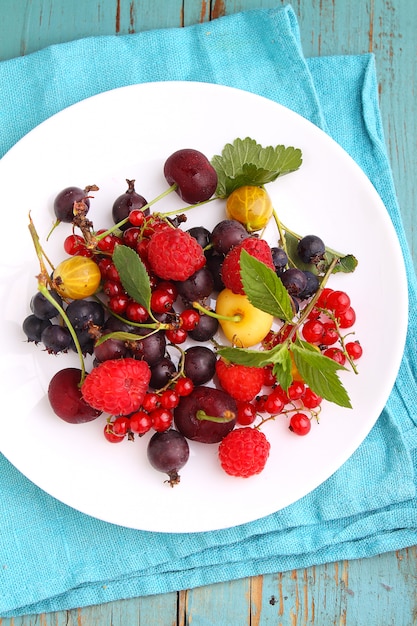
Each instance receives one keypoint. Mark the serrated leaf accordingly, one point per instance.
(245, 356)
(319, 372)
(245, 162)
(282, 368)
(264, 289)
(133, 275)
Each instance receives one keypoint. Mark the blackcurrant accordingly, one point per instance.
(311, 249)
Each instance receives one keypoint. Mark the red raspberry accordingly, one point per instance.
(117, 386)
(244, 452)
(174, 254)
(241, 382)
(257, 248)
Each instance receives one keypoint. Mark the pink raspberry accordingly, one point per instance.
(240, 381)
(117, 386)
(174, 254)
(254, 246)
(244, 452)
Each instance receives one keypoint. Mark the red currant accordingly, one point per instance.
(313, 331)
(176, 335)
(161, 419)
(330, 335)
(274, 403)
(142, 248)
(322, 299)
(169, 399)
(169, 287)
(118, 303)
(189, 319)
(73, 244)
(260, 403)
(161, 301)
(269, 377)
(296, 390)
(108, 243)
(136, 217)
(135, 312)
(184, 386)
(336, 355)
(104, 264)
(130, 237)
(150, 401)
(115, 431)
(348, 318)
(300, 424)
(246, 413)
(354, 349)
(310, 399)
(112, 288)
(338, 301)
(140, 422)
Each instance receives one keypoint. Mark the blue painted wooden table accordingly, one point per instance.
(379, 591)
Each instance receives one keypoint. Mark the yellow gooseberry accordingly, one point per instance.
(251, 206)
(77, 277)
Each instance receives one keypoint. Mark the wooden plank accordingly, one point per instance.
(379, 591)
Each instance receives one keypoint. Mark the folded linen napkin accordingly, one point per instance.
(53, 557)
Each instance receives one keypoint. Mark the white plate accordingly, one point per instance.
(128, 133)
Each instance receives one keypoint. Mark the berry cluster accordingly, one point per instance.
(154, 361)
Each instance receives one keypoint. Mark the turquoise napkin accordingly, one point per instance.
(51, 556)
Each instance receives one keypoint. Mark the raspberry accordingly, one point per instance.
(241, 382)
(230, 272)
(244, 452)
(117, 386)
(174, 254)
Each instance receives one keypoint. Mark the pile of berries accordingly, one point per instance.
(154, 365)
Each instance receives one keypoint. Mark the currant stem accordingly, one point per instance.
(312, 303)
(40, 253)
(228, 318)
(145, 206)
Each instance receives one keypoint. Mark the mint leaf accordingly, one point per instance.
(319, 373)
(133, 275)
(264, 289)
(245, 356)
(245, 162)
(282, 367)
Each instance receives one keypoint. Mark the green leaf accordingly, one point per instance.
(264, 288)
(245, 162)
(245, 356)
(282, 368)
(346, 263)
(319, 372)
(133, 275)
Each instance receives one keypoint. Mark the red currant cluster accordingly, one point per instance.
(155, 414)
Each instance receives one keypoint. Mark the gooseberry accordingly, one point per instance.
(77, 277)
(251, 206)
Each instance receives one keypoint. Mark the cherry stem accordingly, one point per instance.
(228, 318)
(227, 417)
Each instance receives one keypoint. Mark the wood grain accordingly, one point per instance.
(379, 591)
